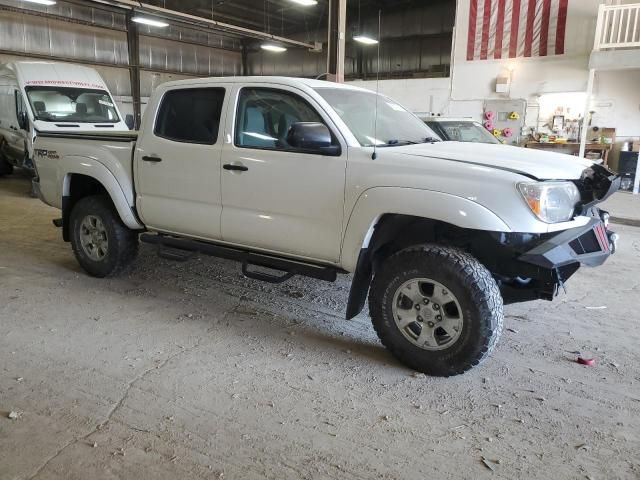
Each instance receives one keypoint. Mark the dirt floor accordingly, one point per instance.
(189, 370)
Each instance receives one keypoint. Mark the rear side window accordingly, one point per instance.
(190, 115)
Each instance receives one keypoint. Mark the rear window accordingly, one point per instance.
(190, 115)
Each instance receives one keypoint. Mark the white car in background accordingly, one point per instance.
(50, 97)
(460, 130)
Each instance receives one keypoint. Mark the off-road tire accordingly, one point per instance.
(466, 278)
(122, 242)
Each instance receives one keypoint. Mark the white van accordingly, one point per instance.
(52, 97)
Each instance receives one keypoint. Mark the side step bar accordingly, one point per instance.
(289, 268)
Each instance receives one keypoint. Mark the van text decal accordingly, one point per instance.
(74, 83)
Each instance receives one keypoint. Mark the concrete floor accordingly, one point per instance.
(188, 370)
(624, 207)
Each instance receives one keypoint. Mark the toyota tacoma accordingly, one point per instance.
(301, 177)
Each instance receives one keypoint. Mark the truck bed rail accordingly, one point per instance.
(91, 135)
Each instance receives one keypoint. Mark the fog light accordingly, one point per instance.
(605, 218)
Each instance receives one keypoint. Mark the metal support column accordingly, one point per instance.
(360, 63)
(133, 45)
(244, 52)
(337, 33)
(587, 109)
(592, 76)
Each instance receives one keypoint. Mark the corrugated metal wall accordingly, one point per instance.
(23, 33)
(98, 37)
(415, 41)
(162, 54)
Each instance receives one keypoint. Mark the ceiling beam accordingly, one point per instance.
(193, 19)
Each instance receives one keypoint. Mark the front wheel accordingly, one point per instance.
(437, 309)
(102, 244)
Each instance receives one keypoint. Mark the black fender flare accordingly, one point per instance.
(391, 233)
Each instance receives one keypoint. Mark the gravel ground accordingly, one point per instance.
(189, 370)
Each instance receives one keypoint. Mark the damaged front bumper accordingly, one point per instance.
(589, 245)
(544, 264)
(547, 266)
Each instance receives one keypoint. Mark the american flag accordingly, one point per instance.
(516, 28)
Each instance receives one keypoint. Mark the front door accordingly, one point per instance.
(178, 163)
(274, 197)
(15, 136)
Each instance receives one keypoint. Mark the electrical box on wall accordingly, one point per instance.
(502, 84)
(505, 119)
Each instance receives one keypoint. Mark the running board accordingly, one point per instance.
(287, 267)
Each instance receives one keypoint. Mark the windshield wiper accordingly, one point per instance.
(46, 116)
(393, 143)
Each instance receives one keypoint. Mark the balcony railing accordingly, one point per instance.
(618, 27)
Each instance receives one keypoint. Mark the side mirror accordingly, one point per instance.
(312, 137)
(23, 120)
(128, 120)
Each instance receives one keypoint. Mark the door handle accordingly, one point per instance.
(148, 158)
(233, 166)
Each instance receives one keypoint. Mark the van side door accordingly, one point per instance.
(177, 161)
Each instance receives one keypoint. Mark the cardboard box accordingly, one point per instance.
(635, 147)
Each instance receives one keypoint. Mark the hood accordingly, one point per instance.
(527, 161)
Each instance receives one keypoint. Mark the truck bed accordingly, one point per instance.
(106, 156)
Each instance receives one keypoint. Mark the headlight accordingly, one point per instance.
(552, 202)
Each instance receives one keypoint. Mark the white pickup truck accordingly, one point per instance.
(302, 177)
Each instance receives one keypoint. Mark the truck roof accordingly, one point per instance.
(291, 81)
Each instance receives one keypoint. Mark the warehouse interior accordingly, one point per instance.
(199, 366)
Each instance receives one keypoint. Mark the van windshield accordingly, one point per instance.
(61, 104)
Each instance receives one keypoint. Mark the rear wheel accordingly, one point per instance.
(102, 244)
(437, 309)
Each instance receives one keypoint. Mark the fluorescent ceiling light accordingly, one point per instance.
(42, 2)
(364, 39)
(150, 22)
(273, 48)
(306, 3)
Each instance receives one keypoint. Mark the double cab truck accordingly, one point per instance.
(302, 177)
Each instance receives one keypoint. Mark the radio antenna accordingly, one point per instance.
(374, 155)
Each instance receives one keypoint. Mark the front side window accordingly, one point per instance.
(394, 125)
(265, 116)
(78, 105)
(20, 106)
(190, 115)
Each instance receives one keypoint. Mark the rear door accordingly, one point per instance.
(281, 200)
(177, 162)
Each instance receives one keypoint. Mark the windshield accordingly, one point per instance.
(395, 124)
(463, 131)
(59, 104)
